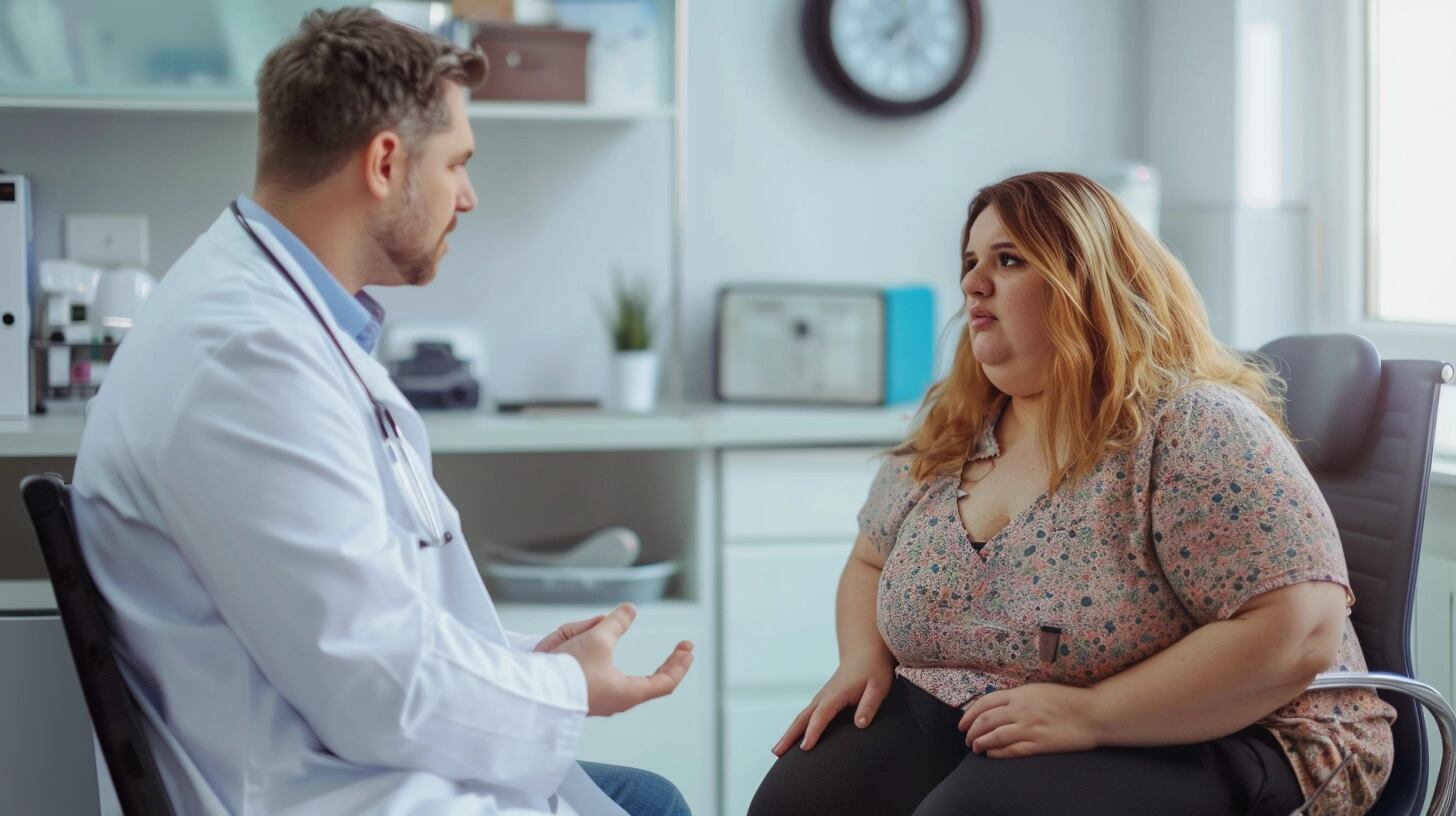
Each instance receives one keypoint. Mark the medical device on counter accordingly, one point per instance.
(86, 312)
(436, 365)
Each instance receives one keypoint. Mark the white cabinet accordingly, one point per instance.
(1432, 630)
(803, 494)
(1432, 624)
(752, 723)
(788, 523)
(778, 602)
(672, 736)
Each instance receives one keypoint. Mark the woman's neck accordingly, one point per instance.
(1025, 414)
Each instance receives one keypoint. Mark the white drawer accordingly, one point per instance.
(751, 726)
(795, 494)
(778, 613)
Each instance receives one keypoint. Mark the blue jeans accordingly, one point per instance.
(639, 792)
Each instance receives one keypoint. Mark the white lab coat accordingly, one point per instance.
(293, 648)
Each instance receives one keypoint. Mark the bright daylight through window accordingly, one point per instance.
(1412, 273)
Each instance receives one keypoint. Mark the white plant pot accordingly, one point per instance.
(634, 380)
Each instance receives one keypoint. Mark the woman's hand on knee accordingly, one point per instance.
(862, 683)
(1038, 718)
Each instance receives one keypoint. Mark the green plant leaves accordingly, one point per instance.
(629, 314)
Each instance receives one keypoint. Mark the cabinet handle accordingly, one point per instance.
(513, 59)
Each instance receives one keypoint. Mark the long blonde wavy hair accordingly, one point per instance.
(1125, 323)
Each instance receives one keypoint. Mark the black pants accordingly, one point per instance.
(913, 760)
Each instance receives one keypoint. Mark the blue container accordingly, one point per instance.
(909, 342)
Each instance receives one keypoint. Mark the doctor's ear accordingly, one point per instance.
(384, 163)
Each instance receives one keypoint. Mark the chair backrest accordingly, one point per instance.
(1366, 428)
(114, 714)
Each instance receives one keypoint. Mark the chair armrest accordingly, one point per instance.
(1443, 801)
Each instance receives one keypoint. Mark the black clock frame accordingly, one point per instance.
(814, 29)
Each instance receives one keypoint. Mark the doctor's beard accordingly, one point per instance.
(401, 235)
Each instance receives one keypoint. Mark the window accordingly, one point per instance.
(1391, 182)
(1411, 198)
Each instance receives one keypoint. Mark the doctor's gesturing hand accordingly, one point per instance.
(608, 690)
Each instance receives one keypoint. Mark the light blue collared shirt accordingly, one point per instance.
(359, 316)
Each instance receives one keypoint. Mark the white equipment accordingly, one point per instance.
(17, 273)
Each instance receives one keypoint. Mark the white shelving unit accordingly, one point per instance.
(139, 102)
(688, 427)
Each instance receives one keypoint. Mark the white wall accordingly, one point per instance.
(559, 203)
(782, 182)
(786, 184)
(1228, 121)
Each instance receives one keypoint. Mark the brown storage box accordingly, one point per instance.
(533, 63)
(484, 11)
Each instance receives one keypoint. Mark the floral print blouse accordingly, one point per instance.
(1209, 509)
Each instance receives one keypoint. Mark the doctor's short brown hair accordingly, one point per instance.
(342, 78)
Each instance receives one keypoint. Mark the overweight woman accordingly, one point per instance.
(1097, 578)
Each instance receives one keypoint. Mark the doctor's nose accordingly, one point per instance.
(466, 200)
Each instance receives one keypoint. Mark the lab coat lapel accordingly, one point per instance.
(374, 375)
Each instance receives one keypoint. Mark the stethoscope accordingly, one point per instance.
(407, 470)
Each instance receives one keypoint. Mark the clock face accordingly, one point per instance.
(893, 56)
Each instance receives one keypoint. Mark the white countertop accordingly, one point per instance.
(685, 427)
(26, 596)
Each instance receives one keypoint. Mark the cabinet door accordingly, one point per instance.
(673, 736)
(751, 726)
(778, 620)
(795, 494)
(1432, 623)
(1432, 629)
(47, 764)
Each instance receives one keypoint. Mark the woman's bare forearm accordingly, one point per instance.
(1223, 676)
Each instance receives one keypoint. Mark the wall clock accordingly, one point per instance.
(892, 57)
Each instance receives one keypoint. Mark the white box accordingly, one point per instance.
(17, 272)
(107, 240)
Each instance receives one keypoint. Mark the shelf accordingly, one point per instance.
(565, 112)
(747, 427)
(26, 596)
(37, 595)
(50, 435)
(530, 618)
(138, 103)
(184, 102)
(480, 432)
(689, 427)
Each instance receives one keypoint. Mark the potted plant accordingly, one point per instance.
(635, 363)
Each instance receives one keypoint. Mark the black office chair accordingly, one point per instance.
(1366, 429)
(114, 714)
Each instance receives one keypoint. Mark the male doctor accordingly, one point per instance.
(295, 607)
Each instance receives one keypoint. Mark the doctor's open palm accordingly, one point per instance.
(608, 690)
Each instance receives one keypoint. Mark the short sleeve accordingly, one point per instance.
(1235, 513)
(893, 494)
